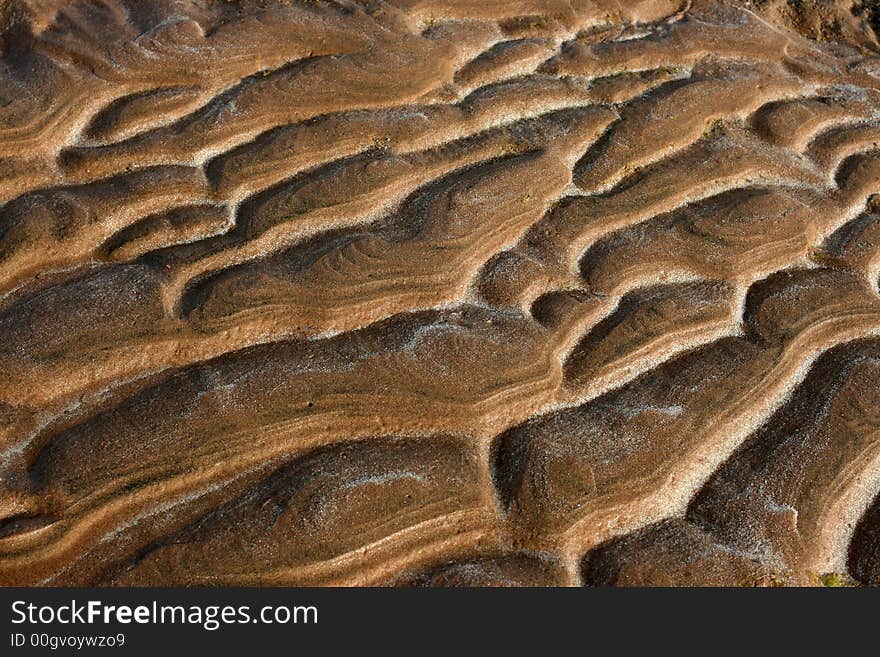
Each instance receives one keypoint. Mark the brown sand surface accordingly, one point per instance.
(439, 292)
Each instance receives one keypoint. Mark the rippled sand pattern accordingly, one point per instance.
(439, 292)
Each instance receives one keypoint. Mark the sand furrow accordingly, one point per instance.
(439, 292)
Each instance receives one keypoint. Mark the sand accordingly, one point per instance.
(439, 292)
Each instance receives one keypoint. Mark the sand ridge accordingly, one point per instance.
(439, 292)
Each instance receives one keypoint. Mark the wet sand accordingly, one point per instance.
(439, 292)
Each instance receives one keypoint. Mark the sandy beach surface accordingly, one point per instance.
(440, 292)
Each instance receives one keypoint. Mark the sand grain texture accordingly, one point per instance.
(439, 292)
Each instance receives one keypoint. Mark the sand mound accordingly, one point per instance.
(438, 292)
(852, 22)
